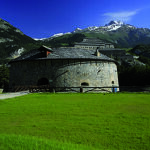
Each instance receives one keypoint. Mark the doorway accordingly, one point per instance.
(43, 81)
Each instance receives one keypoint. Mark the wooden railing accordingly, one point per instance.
(82, 89)
(86, 89)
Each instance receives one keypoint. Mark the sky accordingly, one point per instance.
(44, 18)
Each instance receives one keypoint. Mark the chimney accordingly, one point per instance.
(97, 53)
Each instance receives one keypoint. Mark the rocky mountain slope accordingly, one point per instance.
(13, 42)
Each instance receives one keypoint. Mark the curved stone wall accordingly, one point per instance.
(64, 73)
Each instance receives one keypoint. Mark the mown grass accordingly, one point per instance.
(110, 121)
(14, 142)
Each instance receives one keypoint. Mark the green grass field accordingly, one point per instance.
(75, 121)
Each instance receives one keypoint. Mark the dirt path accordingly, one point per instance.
(11, 95)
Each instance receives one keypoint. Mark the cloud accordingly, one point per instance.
(124, 16)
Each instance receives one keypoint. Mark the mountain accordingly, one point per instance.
(119, 33)
(13, 42)
(111, 26)
(116, 32)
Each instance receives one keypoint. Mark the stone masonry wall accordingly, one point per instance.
(64, 73)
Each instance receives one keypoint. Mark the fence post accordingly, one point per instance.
(113, 89)
(81, 89)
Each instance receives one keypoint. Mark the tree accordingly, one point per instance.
(4, 77)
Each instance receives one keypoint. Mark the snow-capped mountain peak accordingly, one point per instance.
(118, 23)
(113, 25)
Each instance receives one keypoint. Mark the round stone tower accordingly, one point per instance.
(70, 69)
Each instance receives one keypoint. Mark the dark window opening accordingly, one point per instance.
(43, 81)
(84, 84)
(113, 82)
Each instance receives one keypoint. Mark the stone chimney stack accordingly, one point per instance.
(97, 53)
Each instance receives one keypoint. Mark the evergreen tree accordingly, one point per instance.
(4, 77)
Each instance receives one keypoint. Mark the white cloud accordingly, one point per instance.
(124, 16)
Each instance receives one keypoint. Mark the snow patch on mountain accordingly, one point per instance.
(54, 36)
(59, 34)
(17, 30)
(130, 26)
(17, 53)
(41, 39)
(77, 30)
(92, 28)
(112, 27)
(3, 40)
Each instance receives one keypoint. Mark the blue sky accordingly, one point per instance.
(43, 18)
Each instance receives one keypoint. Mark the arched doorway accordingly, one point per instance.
(43, 81)
(84, 84)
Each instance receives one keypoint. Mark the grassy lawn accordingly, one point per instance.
(80, 121)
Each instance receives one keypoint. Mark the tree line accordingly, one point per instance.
(134, 75)
(4, 77)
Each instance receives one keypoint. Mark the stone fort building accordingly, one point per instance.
(90, 43)
(105, 48)
(63, 68)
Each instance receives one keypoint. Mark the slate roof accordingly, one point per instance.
(65, 53)
(76, 53)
